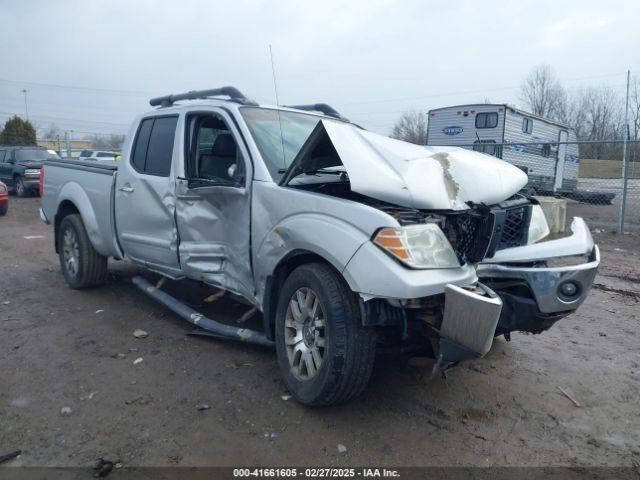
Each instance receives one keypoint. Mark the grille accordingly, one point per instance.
(516, 222)
(470, 235)
(479, 233)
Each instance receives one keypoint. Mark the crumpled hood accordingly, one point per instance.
(438, 178)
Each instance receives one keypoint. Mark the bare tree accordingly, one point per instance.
(52, 133)
(634, 109)
(411, 127)
(107, 142)
(543, 94)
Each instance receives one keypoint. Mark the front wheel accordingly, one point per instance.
(81, 265)
(19, 187)
(325, 354)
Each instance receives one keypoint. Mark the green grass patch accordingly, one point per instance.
(591, 168)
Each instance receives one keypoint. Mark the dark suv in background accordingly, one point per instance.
(20, 167)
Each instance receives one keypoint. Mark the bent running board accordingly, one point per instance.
(192, 316)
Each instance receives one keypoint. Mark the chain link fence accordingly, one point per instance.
(589, 175)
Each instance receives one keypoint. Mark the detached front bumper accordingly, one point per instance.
(535, 298)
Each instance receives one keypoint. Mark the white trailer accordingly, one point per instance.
(526, 140)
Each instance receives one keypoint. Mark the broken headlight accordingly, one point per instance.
(538, 227)
(418, 246)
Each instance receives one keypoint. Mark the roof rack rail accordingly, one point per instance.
(328, 110)
(233, 93)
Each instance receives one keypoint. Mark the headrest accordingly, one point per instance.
(224, 146)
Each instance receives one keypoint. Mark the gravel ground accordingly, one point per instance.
(64, 348)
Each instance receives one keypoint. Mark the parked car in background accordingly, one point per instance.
(75, 153)
(97, 155)
(4, 199)
(20, 167)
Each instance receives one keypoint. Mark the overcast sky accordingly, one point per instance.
(91, 65)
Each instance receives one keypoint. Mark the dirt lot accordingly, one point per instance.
(64, 348)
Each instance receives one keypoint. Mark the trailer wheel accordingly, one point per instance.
(325, 354)
(81, 265)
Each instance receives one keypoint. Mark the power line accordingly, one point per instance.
(48, 118)
(73, 87)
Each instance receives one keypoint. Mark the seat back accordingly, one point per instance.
(223, 154)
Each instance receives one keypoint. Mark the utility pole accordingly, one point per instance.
(623, 200)
(67, 143)
(26, 110)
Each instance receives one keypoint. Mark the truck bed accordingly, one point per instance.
(87, 186)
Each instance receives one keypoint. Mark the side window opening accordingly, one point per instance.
(527, 125)
(153, 148)
(213, 153)
(142, 142)
(487, 120)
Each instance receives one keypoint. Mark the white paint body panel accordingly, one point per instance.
(438, 178)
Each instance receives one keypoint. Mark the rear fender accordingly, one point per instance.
(73, 192)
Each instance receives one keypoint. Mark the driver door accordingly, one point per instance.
(213, 202)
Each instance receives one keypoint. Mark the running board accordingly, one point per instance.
(192, 316)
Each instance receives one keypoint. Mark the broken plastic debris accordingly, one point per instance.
(139, 333)
(102, 468)
(99, 311)
(137, 361)
(88, 397)
(202, 406)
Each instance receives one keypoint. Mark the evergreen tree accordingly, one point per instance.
(17, 131)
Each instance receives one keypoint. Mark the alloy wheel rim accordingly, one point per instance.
(70, 251)
(19, 187)
(305, 333)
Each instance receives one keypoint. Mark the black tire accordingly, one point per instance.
(3, 209)
(349, 355)
(90, 268)
(19, 188)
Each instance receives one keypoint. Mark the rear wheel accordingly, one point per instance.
(325, 354)
(18, 185)
(3, 208)
(81, 265)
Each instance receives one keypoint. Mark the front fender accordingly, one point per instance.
(334, 240)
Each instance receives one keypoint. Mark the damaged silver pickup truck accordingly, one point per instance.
(344, 240)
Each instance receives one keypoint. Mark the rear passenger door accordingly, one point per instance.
(145, 196)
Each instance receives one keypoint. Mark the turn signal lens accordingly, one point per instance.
(418, 246)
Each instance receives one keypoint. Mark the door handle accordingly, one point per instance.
(127, 189)
(189, 198)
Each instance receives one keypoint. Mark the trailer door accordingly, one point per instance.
(562, 153)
